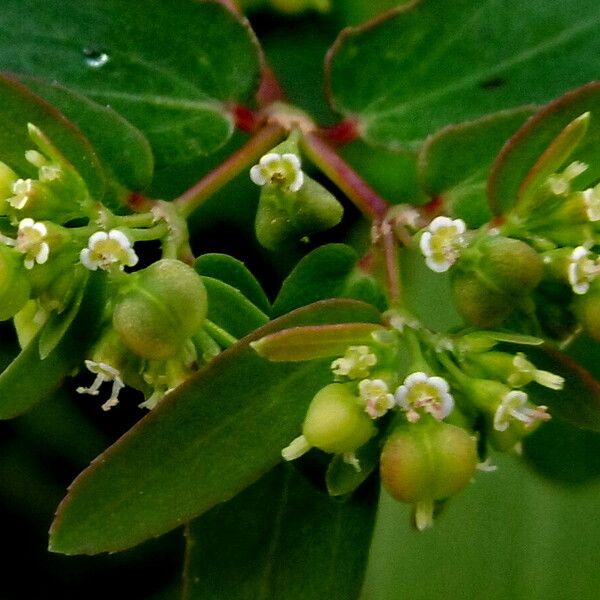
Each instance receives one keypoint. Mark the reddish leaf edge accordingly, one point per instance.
(170, 398)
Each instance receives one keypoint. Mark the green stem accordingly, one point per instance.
(221, 336)
(364, 197)
(152, 233)
(238, 162)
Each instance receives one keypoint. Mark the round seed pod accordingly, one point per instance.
(336, 421)
(587, 311)
(164, 305)
(427, 462)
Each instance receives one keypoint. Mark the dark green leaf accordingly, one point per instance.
(563, 453)
(433, 62)
(280, 539)
(454, 163)
(523, 150)
(318, 341)
(171, 68)
(235, 273)
(578, 403)
(326, 272)
(231, 310)
(29, 379)
(20, 107)
(205, 442)
(121, 146)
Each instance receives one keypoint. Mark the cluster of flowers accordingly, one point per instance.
(432, 416)
(539, 265)
(53, 234)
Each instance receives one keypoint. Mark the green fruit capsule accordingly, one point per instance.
(336, 421)
(162, 306)
(427, 461)
(476, 302)
(587, 311)
(14, 284)
(511, 265)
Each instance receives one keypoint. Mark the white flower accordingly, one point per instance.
(279, 169)
(591, 200)
(22, 190)
(420, 391)
(515, 406)
(560, 184)
(376, 396)
(442, 242)
(581, 270)
(31, 241)
(108, 250)
(355, 364)
(103, 372)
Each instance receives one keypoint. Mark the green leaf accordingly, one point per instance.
(299, 545)
(29, 379)
(121, 146)
(318, 341)
(454, 162)
(235, 273)
(578, 403)
(59, 323)
(326, 272)
(523, 150)
(20, 107)
(231, 310)
(204, 443)
(171, 68)
(431, 63)
(563, 453)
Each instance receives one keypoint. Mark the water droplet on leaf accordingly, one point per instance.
(95, 57)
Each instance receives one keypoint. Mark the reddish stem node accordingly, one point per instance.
(341, 133)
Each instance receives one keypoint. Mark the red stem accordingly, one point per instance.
(341, 173)
(258, 145)
(392, 264)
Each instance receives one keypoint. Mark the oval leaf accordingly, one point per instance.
(321, 274)
(454, 163)
(121, 146)
(231, 310)
(319, 341)
(18, 107)
(434, 62)
(29, 379)
(301, 545)
(235, 273)
(171, 68)
(521, 153)
(205, 442)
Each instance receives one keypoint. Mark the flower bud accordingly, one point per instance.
(336, 420)
(14, 285)
(160, 308)
(428, 461)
